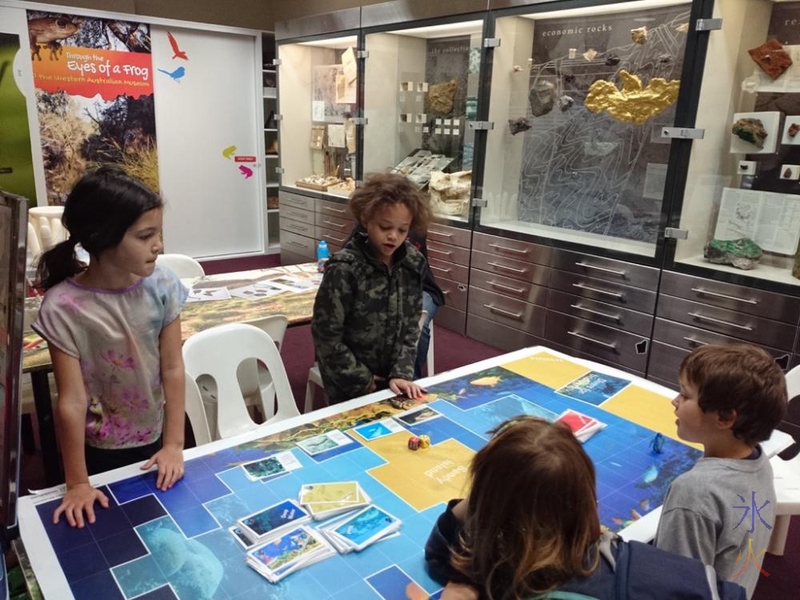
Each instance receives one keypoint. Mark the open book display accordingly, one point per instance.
(770, 219)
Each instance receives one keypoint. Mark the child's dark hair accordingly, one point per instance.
(531, 513)
(98, 211)
(743, 378)
(381, 189)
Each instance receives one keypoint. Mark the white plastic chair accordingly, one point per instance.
(185, 267)
(315, 378)
(46, 224)
(218, 352)
(196, 412)
(787, 480)
(255, 381)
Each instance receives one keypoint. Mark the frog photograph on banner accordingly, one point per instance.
(94, 96)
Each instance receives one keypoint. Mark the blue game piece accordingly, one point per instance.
(657, 445)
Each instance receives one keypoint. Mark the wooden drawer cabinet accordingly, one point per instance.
(299, 244)
(499, 336)
(339, 210)
(297, 214)
(334, 238)
(453, 236)
(452, 319)
(447, 253)
(604, 291)
(513, 249)
(440, 268)
(298, 227)
(296, 200)
(497, 284)
(343, 226)
(527, 317)
(455, 294)
(600, 312)
(606, 269)
(524, 271)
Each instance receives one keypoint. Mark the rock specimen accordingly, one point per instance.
(441, 95)
(787, 174)
(750, 130)
(743, 253)
(612, 60)
(793, 129)
(449, 192)
(771, 57)
(633, 103)
(682, 28)
(565, 103)
(639, 35)
(519, 125)
(590, 54)
(542, 96)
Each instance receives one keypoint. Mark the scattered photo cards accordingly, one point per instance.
(583, 426)
(358, 531)
(291, 284)
(594, 387)
(273, 520)
(272, 466)
(252, 292)
(280, 556)
(325, 500)
(378, 429)
(417, 415)
(206, 294)
(322, 443)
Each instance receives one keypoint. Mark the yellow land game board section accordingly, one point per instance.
(548, 369)
(424, 477)
(647, 409)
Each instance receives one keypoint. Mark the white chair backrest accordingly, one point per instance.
(255, 384)
(218, 352)
(46, 224)
(274, 325)
(185, 267)
(196, 412)
(793, 382)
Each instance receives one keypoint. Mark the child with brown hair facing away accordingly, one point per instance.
(529, 528)
(367, 310)
(722, 510)
(114, 333)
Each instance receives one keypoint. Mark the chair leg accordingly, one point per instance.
(777, 542)
(310, 393)
(28, 440)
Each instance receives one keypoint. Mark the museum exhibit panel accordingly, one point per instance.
(319, 120)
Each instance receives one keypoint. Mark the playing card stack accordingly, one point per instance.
(287, 553)
(326, 500)
(356, 532)
(583, 426)
(271, 522)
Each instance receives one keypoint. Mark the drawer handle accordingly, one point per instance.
(603, 269)
(597, 290)
(507, 249)
(435, 268)
(337, 225)
(336, 210)
(595, 312)
(506, 288)
(328, 236)
(505, 313)
(725, 296)
(441, 233)
(298, 244)
(445, 292)
(594, 341)
(505, 268)
(720, 321)
(443, 252)
(694, 341)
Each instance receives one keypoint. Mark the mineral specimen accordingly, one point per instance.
(771, 57)
(787, 173)
(750, 130)
(793, 129)
(449, 192)
(743, 253)
(565, 103)
(633, 103)
(639, 35)
(519, 125)
(682, 28)
(612, 60)
(542, 96)
(590, 54)
(441, 95)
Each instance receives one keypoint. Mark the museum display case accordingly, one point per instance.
(269, 82)
(579, 98)
(421, 89)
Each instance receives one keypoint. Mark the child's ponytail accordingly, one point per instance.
(58, 263)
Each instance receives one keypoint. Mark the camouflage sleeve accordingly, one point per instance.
(339, 367)
(403, 367)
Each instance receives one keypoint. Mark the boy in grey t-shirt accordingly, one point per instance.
(723, 509)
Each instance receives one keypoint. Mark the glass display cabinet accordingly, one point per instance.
(318, 87)
(421, 87)
(579, 97)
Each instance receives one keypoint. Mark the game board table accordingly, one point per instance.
(176, 544)
(195, 317)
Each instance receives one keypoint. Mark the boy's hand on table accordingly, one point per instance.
(401, 387)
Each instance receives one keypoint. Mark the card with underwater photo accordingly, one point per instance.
(367, 526)
(336, 491)
(271, 466)
(273, 518)
(240, 537)
(594, 388)
(378, 429)
(279, 556)
(325, 442)
(417, 415)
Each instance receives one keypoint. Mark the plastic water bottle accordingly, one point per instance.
(323, 254)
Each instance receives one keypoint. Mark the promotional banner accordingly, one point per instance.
(94, 96)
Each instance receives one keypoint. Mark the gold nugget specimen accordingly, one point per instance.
(633, 103)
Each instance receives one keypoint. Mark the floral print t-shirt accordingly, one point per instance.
(115, 336)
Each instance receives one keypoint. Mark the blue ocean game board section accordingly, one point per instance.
(176, 544)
